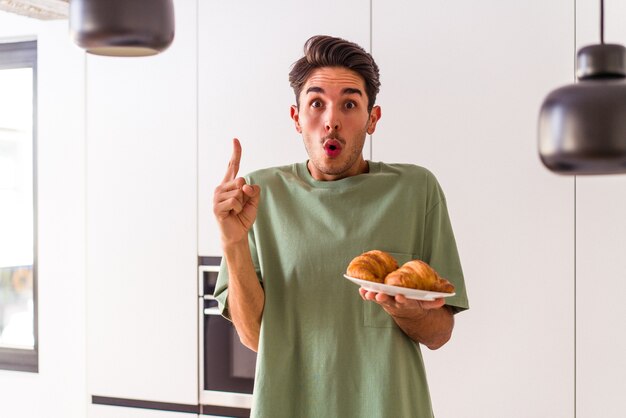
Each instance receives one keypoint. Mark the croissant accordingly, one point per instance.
(416, 274)
(373, 265)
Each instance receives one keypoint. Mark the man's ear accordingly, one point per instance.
(375, 115)
(296, 118)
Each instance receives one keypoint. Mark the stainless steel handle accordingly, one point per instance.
(212, 311)
(201, 270)
(209, 268)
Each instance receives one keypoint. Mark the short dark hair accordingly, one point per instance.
(327, 51)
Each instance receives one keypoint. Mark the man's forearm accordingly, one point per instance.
(245, 294)
(433, 329)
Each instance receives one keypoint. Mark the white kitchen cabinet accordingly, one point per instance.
(245, 53)
(105, 411)
(600, 261)
(141, 222)
(600, 284)
(462, 84)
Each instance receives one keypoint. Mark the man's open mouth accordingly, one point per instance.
(332, 147)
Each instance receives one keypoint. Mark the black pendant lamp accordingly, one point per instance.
(122, 28)
(582, 126)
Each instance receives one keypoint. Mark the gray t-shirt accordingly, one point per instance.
(323, 351)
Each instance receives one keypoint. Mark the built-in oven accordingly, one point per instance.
(226, 366)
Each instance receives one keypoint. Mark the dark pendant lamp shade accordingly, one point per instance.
(582, 126)
(123, 28)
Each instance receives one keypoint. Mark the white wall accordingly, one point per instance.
(59, 387)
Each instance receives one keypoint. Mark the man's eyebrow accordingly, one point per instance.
(314, 90)
(350, 90)
(347, 90)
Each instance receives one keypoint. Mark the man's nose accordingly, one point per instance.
(332, 122)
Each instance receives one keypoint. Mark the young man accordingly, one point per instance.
(326, 349)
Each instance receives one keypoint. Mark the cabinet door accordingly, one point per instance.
(462, 83)
(246, 49)
(600, 284)
(104, 411)
(141, 222)
(600, 261)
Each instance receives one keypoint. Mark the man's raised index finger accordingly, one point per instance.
(233, 164)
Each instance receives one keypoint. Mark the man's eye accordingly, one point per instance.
(316, 103)
(350, 105)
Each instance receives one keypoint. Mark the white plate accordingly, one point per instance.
(397, 290)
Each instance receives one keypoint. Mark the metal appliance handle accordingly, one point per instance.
(213, 311)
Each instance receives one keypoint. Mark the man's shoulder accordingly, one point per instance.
(269, 174)
(406, 170)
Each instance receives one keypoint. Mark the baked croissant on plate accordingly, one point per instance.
(417, 274)
(373, 265)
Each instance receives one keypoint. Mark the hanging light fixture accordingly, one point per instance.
(123, 28)
(582, 126)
